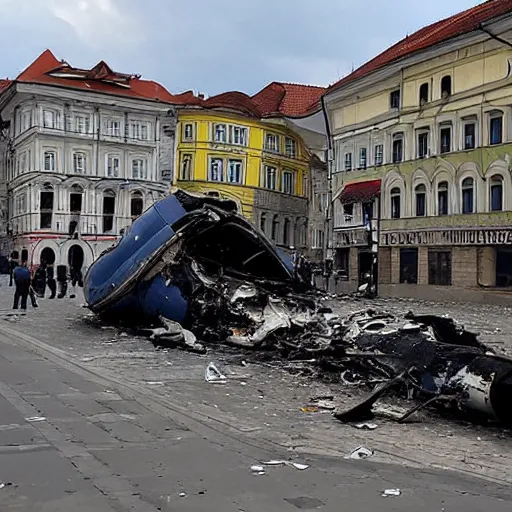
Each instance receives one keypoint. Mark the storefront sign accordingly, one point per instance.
(447, 237)
(350, 238)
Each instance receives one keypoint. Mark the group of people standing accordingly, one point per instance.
(28, 285)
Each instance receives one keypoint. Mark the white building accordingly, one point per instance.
(84, 152)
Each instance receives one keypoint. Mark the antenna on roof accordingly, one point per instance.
(353, 67)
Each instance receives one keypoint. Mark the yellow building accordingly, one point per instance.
(426, 126)
(249, 149)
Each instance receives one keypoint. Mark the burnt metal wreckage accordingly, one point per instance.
(191, 271)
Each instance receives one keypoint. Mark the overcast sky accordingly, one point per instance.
(213, 45)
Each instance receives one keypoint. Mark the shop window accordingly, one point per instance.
(445, 139)
(470, 136)
(398, 148)
(342, 262)
(496, 130)
(442, 198)
(423, 94)
(440, 268)
(395, 203)
(496, 193)
(420, 193)
(468, 193)
(409, 266)
(504, 268)
(446, 86)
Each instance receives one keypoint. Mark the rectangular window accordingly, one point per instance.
(46, 209)
(440, 268)
(216, 171)
(288, 182)
(362, 158)
(26, 120)
(442, 199)
(235, 171)
(272, 142)
(409, 266)
(342, 262)
(113, 166)
(49, 119)
(113, 128)
(496, 130)
(79, 163)
(139, 131)
(82, 124)
(470, 136)
(238, 135)
(49, 161)
(446, 140)
(379, 154)
(138, 169)
(290, 147)
(270, 177)
(422, 144)
(398, 149)
(188, 131)
(394, 99)
(219, 133)
(186, 167)
(348, 162)
(109, 208)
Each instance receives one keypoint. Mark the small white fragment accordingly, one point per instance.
(275, 463)
(212, 374)
(34, 419)
(300, 467)
(154, 383)
(2, 486)
(183, 495)
(360, 453)
(366, 426)
(260, 470)
(391, 492)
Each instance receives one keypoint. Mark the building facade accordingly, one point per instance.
(249, 149)
(84, 152)
(427, 127)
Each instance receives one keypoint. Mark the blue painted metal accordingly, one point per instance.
(115, 282)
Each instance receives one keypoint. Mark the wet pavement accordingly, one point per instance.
(130, 427)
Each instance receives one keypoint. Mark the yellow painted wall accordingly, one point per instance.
(202, 148)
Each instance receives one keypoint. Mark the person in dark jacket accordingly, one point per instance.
(62, 279)
(21, 276)
(39, 281)
(50, 281)
(13, 263)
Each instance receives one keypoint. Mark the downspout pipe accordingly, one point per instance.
(328, 238)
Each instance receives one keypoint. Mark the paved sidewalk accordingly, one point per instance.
(129, 428)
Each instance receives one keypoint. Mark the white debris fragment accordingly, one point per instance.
(212, 374)
(391, 492)
(300, 467)
(259, 470)
(360, 453)
(34, 419)
(366, 426)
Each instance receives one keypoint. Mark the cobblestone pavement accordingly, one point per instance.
(263, 402)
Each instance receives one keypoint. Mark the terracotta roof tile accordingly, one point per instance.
(46, 68)
(233, 100)
(457, 25)
(4, 83)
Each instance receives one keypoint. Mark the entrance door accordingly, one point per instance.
(76, 257)
(47, 256)
(503, 268)
(365, 266)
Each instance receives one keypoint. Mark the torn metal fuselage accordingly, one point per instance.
(182, 242)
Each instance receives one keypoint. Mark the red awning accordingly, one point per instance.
(360, 192)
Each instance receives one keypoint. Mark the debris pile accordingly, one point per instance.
(194, 273)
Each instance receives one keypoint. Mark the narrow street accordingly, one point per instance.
(93, 418)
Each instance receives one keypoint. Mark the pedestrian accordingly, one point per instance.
(76, 278)
(62, 280)
(50, 281)
(21, 276)
(39, 281)
(13, 263)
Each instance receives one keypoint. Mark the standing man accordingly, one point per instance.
(50, 280)
(62, 279)
(21, 276)
(13, 263)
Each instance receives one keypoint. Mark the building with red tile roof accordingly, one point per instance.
(470, 20)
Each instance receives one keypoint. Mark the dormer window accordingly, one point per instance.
(423, 94)
(446, 86)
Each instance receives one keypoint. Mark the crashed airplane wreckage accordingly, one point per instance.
(200, 271)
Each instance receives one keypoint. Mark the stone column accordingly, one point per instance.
(486, 261)
(422, 265)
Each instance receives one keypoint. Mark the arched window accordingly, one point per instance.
(496, 193)
(446, 86)
(420, 193)
(109, 208)
(263, 222)
(275, 228)
(286, 232)
(442, 198)
(423, 94)
(46, 206)
(395, 203)
(468, 194)
(136, 205)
